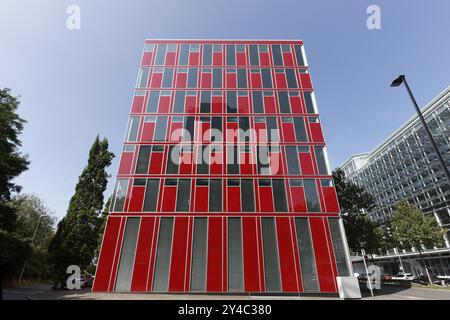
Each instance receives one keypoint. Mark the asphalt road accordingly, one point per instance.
(43, 292)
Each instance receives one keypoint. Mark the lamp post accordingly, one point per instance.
(396, 83)
(402, 80)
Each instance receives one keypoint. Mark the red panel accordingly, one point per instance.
(169, 197)
(137, 199)
(240, 59)
(138, 102)
(306, 163)
(260, 254)
(217, 58)
(306, 81)
(201, 199)
(178, 262)
(191, 104)
(147, 58)
(170, 59)
(232, 132)
(143, 254)
(296, 105)
(187, 279)
(316, 132)
(280, 80)
(217, 105)
(176, 131)
(112, 279)
(156, 162)
(156, 80)
(298, 199)
(234, 199)
(216, 165)
(164, 104)
(214, 267)
(261, 133)
(250, 255)
(296, 256)
(265, 196)
(243, 105)
(193, 58)
(181, 80)
(153, 255)
(287, 58)
(331, 201)
(288, 132)
(256, 81)
(246, 164)
(126, 161)
(285, 249)
(186, 163)
(264, 59)
(147, 131)
(330, 250)
(269, 104)
(206, 80)
(104, 267)
(231, 80)
(323, 262)
(225, 253)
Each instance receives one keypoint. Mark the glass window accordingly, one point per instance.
(285, 48)
(266, 78)
(199, 242)
(183, 195)
(247, 195)
(309, 102)
(231, 55)
(133, 127)
(149, 47)
(240, 48)
(235, 267)
(202, 165)
(338, 247)
(144, 74)
(171, 47)
(152, 103)
(300, 130)
(167, 78)
(217, 78)
(216, 124)
(244, 126)
(291, 79)
(192, 77)
(312, 197)
(299, 55)
(163, 254)
(143, 159)
(160, 129)
(151, 195)
(258, 104)
(276, 53)
(120, 193)
(205, 102)
(263, 159)
(271, 260)
(231, 102)
(126, 262)
(232, 160)
(242, 78)
(306, 253)
(184, 55)
(189, 123)
(272, 129)
(180, 98)
(283, 100)
(161, 54)
(279, 195)
(173, 159)
(207, 54)
(321, 160)
(217, 47)
(215, 195)
(254, 56)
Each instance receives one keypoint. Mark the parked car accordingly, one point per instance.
(387, 277)
(404, 277)
(423, 279)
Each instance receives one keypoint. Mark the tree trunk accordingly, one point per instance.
(426, 269)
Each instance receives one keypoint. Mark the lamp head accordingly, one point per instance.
(397, 82)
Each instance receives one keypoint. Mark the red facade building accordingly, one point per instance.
(223, 184)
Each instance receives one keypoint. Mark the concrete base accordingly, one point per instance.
(348, 288)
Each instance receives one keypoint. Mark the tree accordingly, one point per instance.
(13, 248)
(362, 233)
(411, 228)
(37, 222)
(76, 237)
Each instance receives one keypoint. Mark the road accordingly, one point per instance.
(43, 292)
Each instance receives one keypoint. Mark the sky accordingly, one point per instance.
(75, 84)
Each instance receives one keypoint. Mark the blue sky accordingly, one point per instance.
(76, 84)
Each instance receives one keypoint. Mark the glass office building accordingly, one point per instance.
(223, 183)
(405, 166)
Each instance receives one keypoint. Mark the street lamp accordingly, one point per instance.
(402, 80)
(396, 83)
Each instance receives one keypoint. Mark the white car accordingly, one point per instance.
(404, 276)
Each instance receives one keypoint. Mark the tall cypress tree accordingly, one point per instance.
(75, 240)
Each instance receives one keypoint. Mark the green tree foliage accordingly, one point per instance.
(362, 233)
(37, 222)
(77, 234)
(14, 249)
